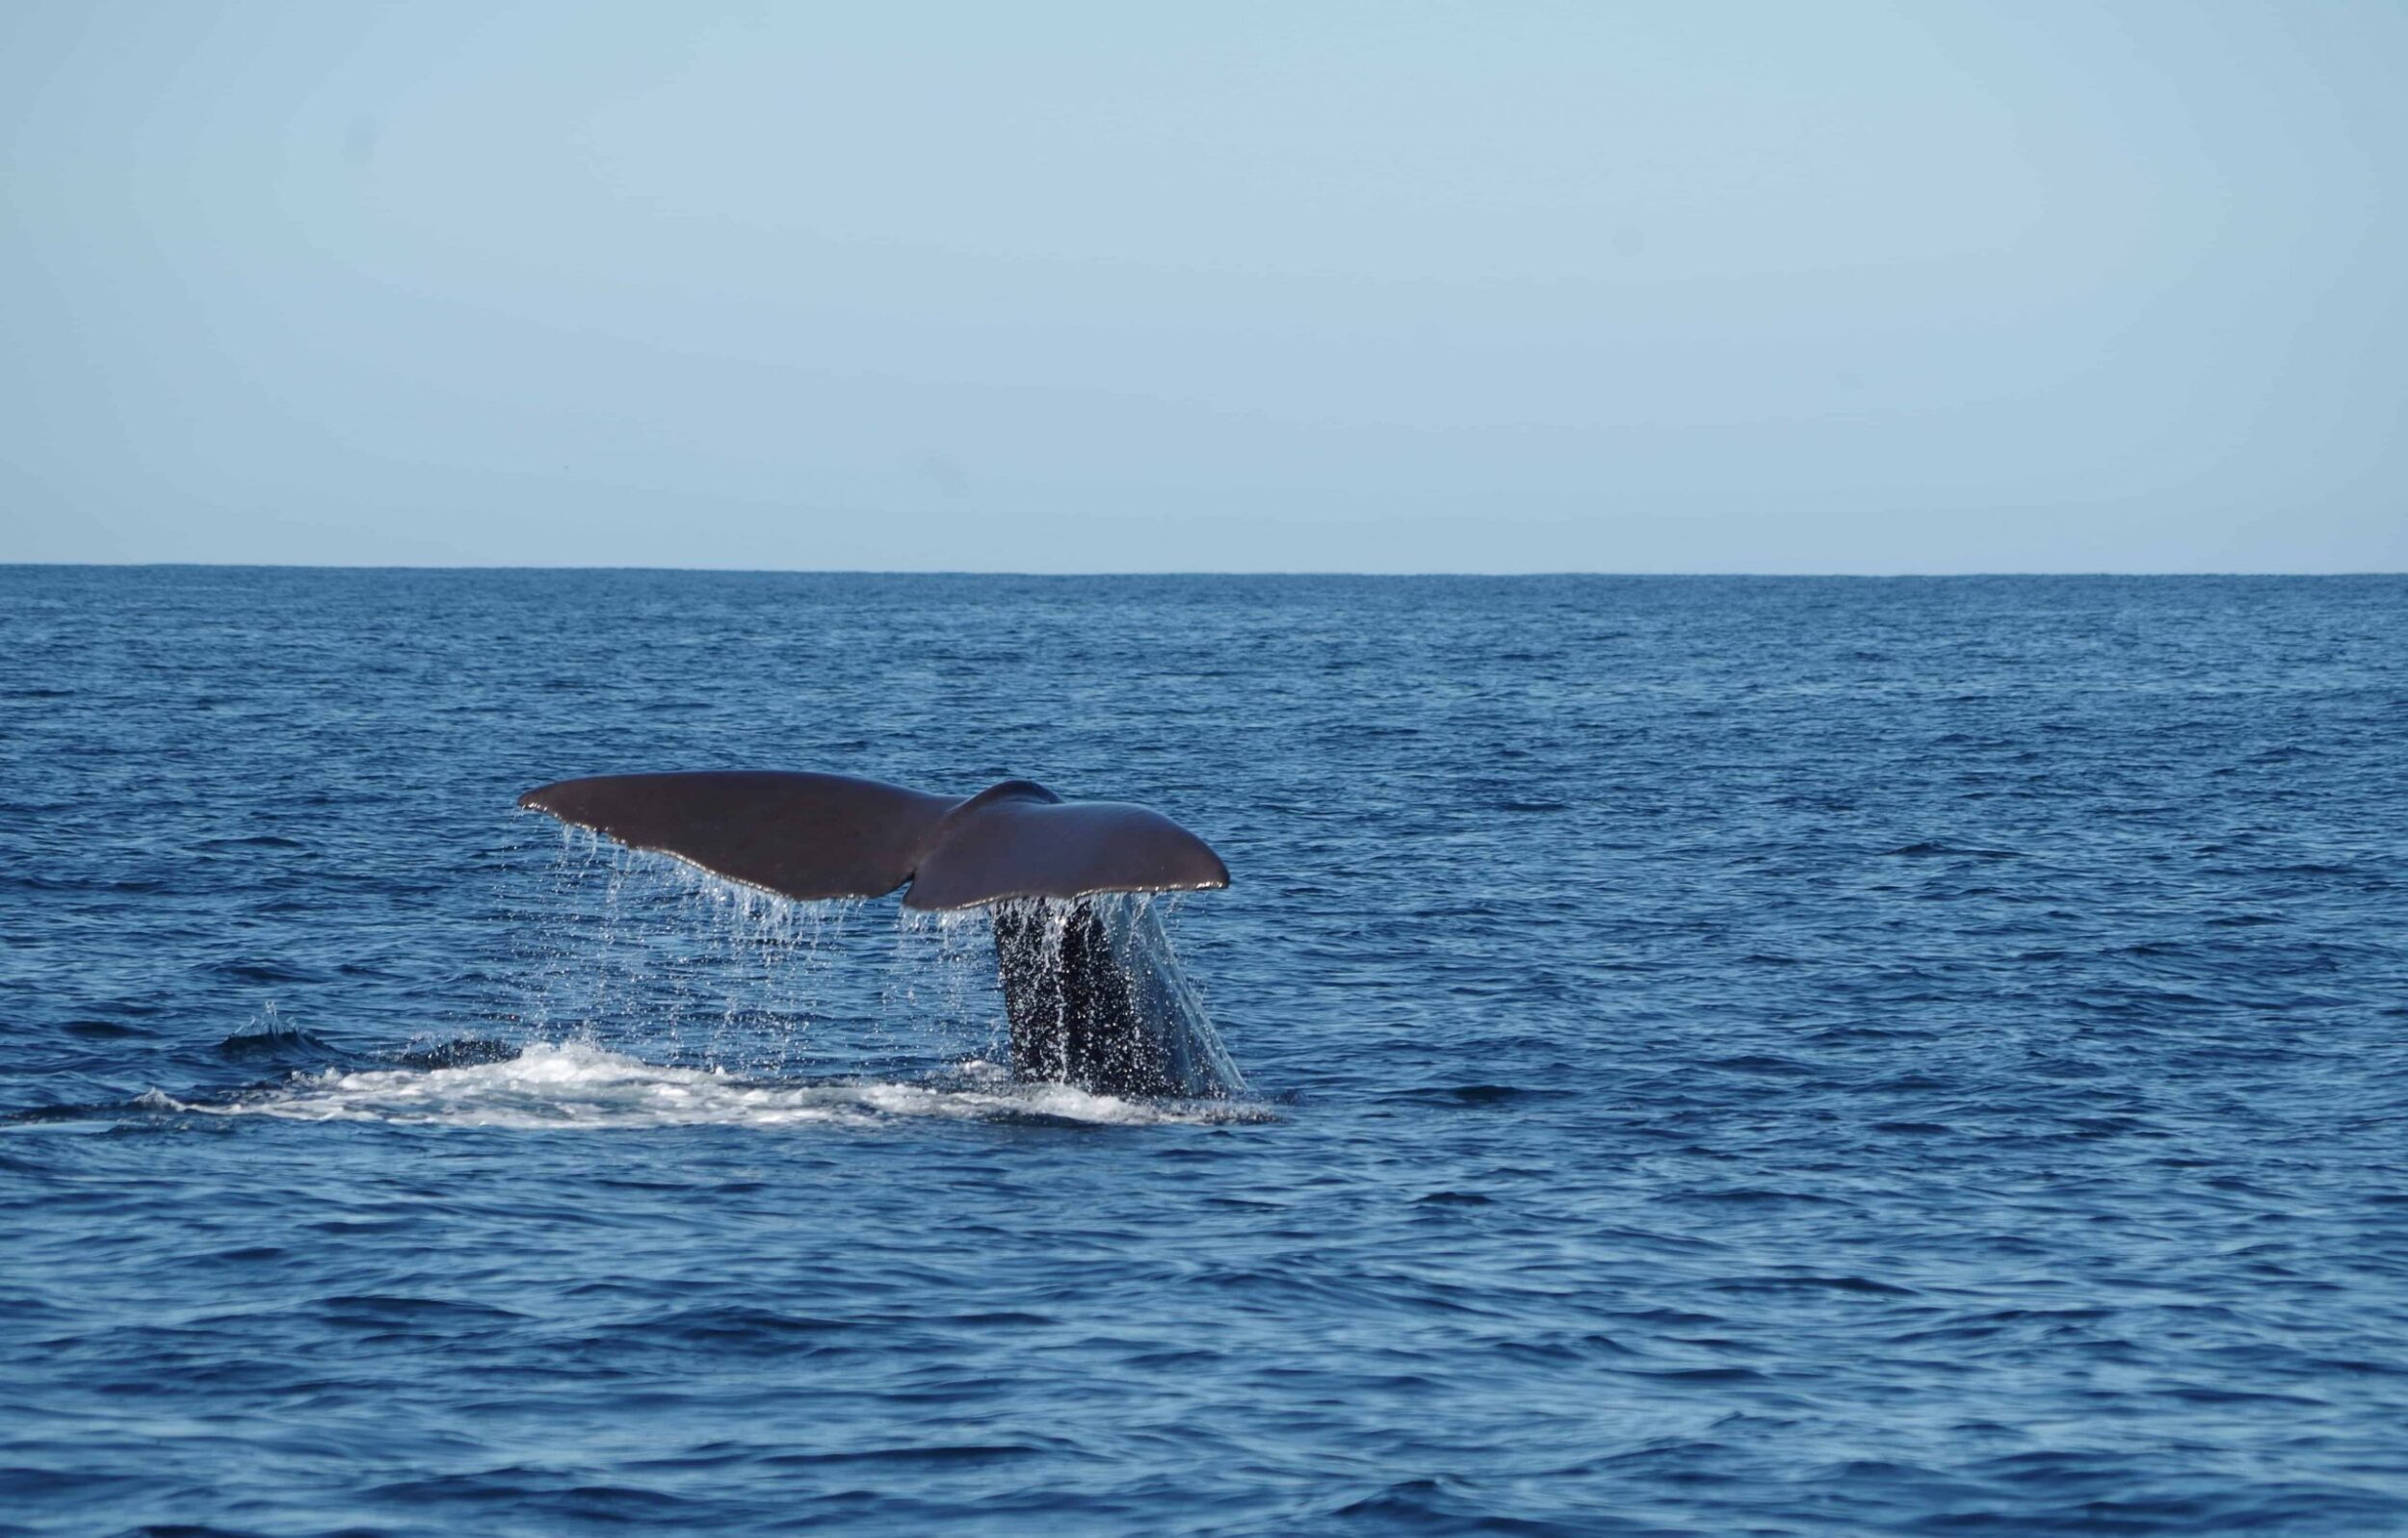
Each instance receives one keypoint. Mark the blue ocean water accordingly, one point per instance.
(1814, 1057)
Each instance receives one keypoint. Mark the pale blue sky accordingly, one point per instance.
(1289, 286)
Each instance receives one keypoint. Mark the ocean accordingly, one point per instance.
(1814, 1057)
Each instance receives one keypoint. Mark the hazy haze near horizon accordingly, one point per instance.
(1543, 287)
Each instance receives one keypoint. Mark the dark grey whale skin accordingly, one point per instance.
(1083, 1011)
(813, 836)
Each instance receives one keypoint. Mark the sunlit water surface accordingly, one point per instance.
(1724, 1057)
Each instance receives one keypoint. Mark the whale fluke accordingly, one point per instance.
(813, 836)
(1091, 993)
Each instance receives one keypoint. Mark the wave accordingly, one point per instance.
(572, 1084)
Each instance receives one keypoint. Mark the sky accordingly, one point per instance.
(1293, 286)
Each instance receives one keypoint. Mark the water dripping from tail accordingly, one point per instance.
(1096, 1000)
(652, 956)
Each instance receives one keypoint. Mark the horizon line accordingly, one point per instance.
(1285, 572)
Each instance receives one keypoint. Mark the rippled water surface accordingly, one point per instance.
(1724, 1056)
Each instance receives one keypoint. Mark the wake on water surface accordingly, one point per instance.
(578, 1085)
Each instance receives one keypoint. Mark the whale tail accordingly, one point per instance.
(816, 836)
(1091, 991)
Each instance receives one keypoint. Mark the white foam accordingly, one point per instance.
(572, 1084)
